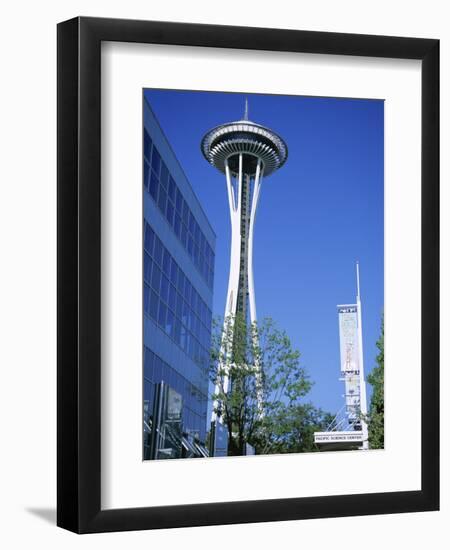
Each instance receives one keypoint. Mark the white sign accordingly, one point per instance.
(338, 437)
(348, 335)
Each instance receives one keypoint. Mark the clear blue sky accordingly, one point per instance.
(317, 215)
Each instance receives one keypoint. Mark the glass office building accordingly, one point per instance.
(178, 275)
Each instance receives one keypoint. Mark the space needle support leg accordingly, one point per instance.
(235, 215)
(234, 203)
(251, 286)
(255, 198)
(231, 199)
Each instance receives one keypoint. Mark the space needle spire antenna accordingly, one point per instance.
(358, 294)
(244, 152)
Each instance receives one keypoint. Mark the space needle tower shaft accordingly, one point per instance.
(244, 152)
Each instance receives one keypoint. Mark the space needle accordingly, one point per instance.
(245, 152)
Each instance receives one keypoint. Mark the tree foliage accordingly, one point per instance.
(376, 408)
(260, 389)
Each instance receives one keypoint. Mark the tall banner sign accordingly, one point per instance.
(350, 368)
(348, 335)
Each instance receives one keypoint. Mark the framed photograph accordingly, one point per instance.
(248, 225)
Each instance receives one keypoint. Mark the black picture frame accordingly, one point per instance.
(79, 277)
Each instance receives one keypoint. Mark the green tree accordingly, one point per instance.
(290, 429)
(376, 408)
(263, 403)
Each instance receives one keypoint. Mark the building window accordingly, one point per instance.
(172, 302)
(147, 145)
(156, 161)
(163, 189)
(194, 398)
